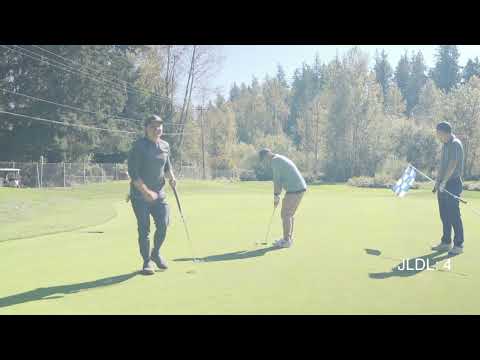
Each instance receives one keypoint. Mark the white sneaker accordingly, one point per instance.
(442, 247)
(456, 250)
(283, 243)
(277, 242)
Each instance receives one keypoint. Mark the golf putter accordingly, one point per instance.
(269, 227)
(195, 260)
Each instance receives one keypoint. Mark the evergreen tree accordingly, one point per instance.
(446, 72)
(471, 69)
(416, 81)
(402, 75)
(383, 72)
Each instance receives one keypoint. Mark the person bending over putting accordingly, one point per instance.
(148, 166)
(450, 178)
(285, 176)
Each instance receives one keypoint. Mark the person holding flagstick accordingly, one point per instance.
(449, 181)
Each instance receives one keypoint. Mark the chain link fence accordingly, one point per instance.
(37, 174)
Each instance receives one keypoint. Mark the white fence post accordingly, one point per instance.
(38, 176)
(84, 172)
(41, 171)
(64, 184)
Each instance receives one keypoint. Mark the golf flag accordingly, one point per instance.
(405, 182)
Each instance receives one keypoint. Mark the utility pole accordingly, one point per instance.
(316, 135)
(202, 126)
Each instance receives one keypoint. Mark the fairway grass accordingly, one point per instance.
(74, 251)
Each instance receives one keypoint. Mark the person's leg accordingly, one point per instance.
(161, 216)
(289, 206)
(286, 220)
(454, 212)
(142, 213)
(444, 216)
(298, 200)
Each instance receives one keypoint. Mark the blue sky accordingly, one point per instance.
(241, 62)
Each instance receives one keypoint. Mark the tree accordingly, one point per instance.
(354, 118)
(394, 104)
(402, 75)
(281, 77)
(60, 74)
(463, 110)
(429, 109)
(446, 72)
(383, 72)
(416, 81)
(234, 92)
(221, 137)
(471, 69)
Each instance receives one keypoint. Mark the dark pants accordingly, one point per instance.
(450, 213)
(160, 212)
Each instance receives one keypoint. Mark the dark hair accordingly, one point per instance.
(445, 127)
(263, 152)
(151, 119)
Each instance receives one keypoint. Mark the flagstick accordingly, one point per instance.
(448, 192)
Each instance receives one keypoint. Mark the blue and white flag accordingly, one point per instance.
(405, 182)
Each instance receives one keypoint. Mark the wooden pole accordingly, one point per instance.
(203, 144)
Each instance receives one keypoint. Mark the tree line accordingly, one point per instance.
(337, 120)
(345, 118)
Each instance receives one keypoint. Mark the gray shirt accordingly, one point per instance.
(452, 150)
(149, 161)
(286, 174)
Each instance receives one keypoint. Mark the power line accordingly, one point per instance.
(132, 86)
(73, 70)
(85, 66)
(95, 70)
(67, 124)
(115, 117)
(69, 69)
(78, 125)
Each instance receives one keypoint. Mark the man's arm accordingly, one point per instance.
(277, 185)
(452, 164)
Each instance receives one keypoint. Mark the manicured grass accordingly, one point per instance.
(75, 251)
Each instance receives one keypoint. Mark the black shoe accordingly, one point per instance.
(161, 264)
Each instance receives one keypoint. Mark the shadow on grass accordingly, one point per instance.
(56, 292)
(237, 255)
(411, 267)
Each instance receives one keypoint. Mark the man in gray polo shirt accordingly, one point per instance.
(285, 176)
(148, 166)
(450, 178)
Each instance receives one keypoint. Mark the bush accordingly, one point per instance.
(248, 175)
(392, 168)
(378, 182)
(471, 186)
(361, 181)
(312, 178)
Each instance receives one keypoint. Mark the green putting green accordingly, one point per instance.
(74, 251)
